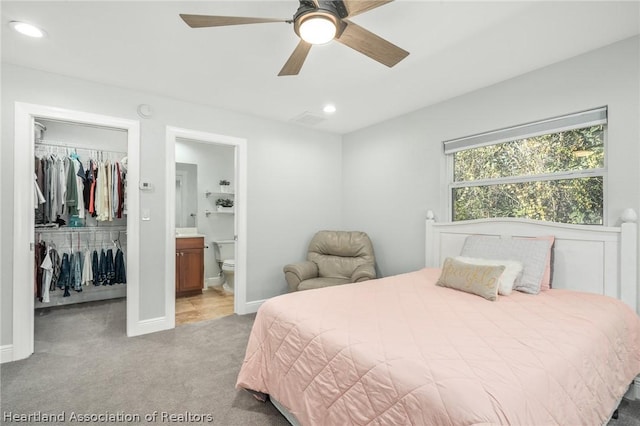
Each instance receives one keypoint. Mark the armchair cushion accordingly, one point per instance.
(339, 257)
(321, 282)
(364, 272)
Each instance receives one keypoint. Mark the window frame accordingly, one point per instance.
(598, 172)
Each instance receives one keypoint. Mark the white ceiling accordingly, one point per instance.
(455, 47)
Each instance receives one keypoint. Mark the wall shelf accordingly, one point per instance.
(216, 193)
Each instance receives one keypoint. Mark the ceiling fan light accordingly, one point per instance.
(317, 30)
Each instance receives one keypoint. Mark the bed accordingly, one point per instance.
(403, 350)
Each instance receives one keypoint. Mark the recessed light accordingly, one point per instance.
(329, 109)
(27, 29)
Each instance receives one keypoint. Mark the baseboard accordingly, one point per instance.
(152, 325)
(6, 353)
(213, 281)
(252, 307)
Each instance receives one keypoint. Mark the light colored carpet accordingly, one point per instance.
(83, 363)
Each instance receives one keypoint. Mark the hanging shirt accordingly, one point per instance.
(87, 269)
(47, 267)
(79, 178)
(61, 188)
(37, 192)
(55, 259)
(102, 195)
(71, 201)
(123, 167)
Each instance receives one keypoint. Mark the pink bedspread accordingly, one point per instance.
(400, 351)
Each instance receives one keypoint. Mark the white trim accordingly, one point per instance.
(530, 178)
(559, 124)
(611, 270)
(240, 283)
(23, 231)
(152, 325)
(6, 353)
(252, 307)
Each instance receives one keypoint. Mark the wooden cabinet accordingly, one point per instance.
(189, 266)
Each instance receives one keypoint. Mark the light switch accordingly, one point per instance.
(146, 214)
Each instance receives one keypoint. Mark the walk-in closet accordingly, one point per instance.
(80, 229)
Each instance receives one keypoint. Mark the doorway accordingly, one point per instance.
(204, 218)
(24, 216)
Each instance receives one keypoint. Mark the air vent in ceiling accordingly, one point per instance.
(308, 119)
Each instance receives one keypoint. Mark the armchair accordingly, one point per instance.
(333, 258)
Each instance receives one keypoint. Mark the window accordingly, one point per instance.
(550, 170)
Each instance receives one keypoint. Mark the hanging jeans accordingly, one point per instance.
(111, 270)
(76, 271)
(102, 267)
(65, 275)
(121, 275)
(95, 268)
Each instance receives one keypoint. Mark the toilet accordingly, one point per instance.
(225, 251)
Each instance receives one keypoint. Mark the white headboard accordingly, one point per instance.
(596, 259)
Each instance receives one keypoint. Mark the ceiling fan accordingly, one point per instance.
(319, 22)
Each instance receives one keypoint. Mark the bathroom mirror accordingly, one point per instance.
(186, 195)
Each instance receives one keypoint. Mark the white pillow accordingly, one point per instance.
(512, 270)
(532, 253)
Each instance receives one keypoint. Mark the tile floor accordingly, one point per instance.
(214, 302)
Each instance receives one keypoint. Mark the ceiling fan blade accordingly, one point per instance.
(295, 61)
(201, 21)
(371, 45)
(356, 7)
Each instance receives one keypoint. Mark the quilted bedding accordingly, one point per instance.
(402, 351)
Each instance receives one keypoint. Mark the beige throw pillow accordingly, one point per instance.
(481, 280)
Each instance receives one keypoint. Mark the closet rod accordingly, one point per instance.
(82, 229)
(60, 144)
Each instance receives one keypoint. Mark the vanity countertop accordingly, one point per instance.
(188, 233)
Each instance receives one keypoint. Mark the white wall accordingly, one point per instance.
(394, 171)
(292, 172)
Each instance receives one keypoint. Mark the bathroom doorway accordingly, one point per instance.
(207, 214)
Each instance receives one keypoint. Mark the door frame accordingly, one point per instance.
(240, 273)
(24, 216)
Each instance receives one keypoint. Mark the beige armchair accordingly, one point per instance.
(333, 258)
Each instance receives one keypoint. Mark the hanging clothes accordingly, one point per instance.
(40, 253)
(110, 268)
(65, 275)
(56, 261)
(47, 267)
(95, 267)
(102, 267)
(87, 269)
(120, 272)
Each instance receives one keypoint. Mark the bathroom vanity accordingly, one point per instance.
(189, 265)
